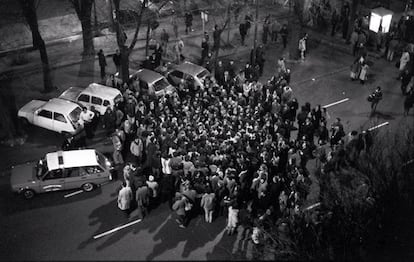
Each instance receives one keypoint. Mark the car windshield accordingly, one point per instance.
(202, 74)
(161, 84)
(74, 115)
(100, 158)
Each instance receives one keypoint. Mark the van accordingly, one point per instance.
(62, 170)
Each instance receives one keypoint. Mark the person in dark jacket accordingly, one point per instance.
(117, 60)
(204, 50)
(188, 22)
(284, 34)
(243, 32)
(109, 121)
(102, 63)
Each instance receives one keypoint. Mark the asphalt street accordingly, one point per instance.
(54, 227)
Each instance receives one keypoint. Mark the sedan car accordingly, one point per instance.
(193, 74)
(61, 170)
(58, 115)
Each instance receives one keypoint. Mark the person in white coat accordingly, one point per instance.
(364, 73)
(405, 58)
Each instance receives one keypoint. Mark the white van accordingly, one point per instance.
(96, 95)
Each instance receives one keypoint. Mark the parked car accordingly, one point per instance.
(96, 95)
(62, 170)
(58, 115)
(152, 83)
(192, 73)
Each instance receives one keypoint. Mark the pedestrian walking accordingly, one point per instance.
(392, 46)
(334, 22)
(233, 216)
(404, 60)
(266, 30)
(175, 26)
(124, 198)
(179, 208)
(102, 63)
(117, 60)
(243, 32)
(85, 120)
(374, 98)
(281, 66)
(117, 143)
(363, 76)
(188, 22)
(207, 204)
(204, 50)
(142, 200)
(284, 34)
(302, 46)
(165, 37)
(274, 28)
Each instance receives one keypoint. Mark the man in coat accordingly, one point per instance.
(142, 197)
(102, 63)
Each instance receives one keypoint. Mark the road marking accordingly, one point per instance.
(335, 103)
(378, 126)
(74, 193)
(117, 228)
(313, 206)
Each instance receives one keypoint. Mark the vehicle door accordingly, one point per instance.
(52, 181)
(72, 178)
(92, 174)
(60, 123)
(97, 103)
(84, 99)
(175, 77)
(44, 118)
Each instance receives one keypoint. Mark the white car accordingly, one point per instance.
(62, 170)
(57, 114)
(96, 95)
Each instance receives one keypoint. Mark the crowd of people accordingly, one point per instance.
(226, 149)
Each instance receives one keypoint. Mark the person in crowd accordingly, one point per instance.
(207, 203)
(404, 60)
(302, 47)
(243, 32)
(188, 22)
(124, 198)
(363, 75)
(408, 101)
(405, 80)
(142, 197)
(205, 48)
(85, 120)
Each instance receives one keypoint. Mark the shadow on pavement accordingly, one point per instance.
(107, 220)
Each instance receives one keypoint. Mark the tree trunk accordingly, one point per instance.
(147, 37)
(83, 9)
(29, 11)
(124, 51)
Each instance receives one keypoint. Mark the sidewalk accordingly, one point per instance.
(67, 51)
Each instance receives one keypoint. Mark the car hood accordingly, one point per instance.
(32, 106)
(22, 174)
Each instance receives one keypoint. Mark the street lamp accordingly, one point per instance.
(380, 20)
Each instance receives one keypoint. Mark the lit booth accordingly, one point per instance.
(380, 20)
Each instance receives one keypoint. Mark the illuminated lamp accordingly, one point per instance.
(380, 20)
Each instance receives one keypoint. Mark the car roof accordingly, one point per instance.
(60, 105)
(190, 68)
(147, 75)
(101, 91)
(73, 158)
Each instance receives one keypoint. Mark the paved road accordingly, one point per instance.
(53, 227)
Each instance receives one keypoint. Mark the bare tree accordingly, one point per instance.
(29, 12)
(121, 36)
(83, 9)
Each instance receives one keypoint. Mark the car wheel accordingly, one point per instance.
(87, 187)
(28, 194)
